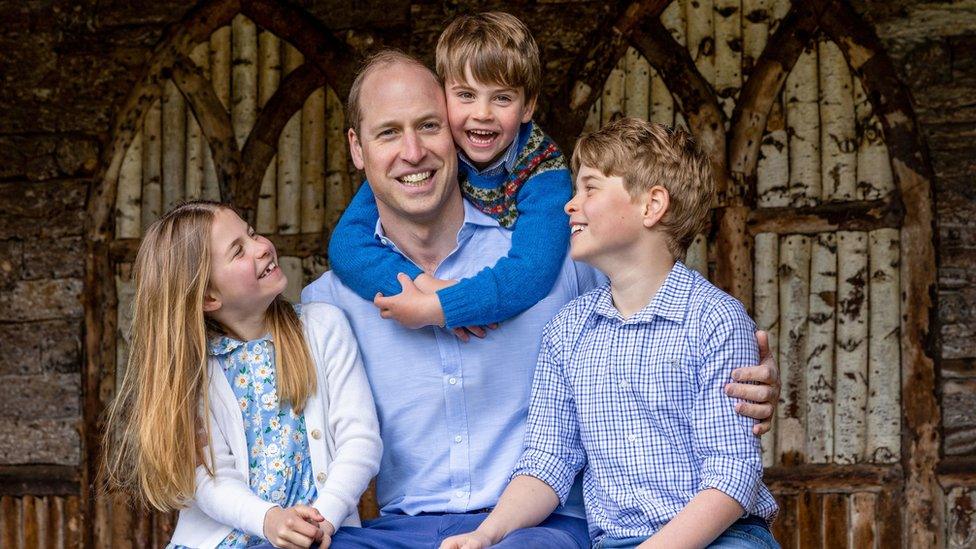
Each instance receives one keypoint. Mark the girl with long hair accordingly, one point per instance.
(251, 416)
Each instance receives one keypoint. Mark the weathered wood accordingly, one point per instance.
(368, 507)
(773, 169)
(809, 514)
(889, 508)
(73, 522)
(152, 165)
(728, 52)
(10, 510)
(220, 64)
(847, 216)
(884, 402)
(613, 94)
(122, 523)
(961, 516)
(673, 19)
(959, 417)
(863, 528)
(874, 178)
(290, 156)
(838, 142)
(733, 266)
(338, 185)
(700, 34)
(291, 267)
(755, 31)
(244, 79)
(819, 351)
(269, 75)
(803, 127)
(38, 480)
(834, 521)
(852, 347)
(794, 289)
(785, 527)
(765, 309)
(174, 145)
(697, 256)
(30, 529)
(637, 85)
(196, 145)
(128, 218)
(662, 103)
(297, 245)
(592, 123)
(313, 163)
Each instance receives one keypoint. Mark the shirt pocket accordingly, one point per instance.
(665, 387)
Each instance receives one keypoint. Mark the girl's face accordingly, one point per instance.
(244, 273)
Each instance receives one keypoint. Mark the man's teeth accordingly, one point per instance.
(415, 178)
(268, 270)
(576, 228)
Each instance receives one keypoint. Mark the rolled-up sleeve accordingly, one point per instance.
(553, 449)
(730, 454)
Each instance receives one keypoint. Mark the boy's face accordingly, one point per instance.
(605, 222)
(485, 118)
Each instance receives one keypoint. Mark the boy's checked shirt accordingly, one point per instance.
(640, 404)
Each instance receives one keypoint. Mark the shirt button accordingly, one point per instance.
(458, 439)
(316, 434)
(321, 477)
(624, 384)
(632, 438)
(452, 381)
(459, 494)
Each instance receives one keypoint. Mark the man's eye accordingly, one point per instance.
(387, 133)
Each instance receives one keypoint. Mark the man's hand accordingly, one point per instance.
(412, 307)
(471, 540)
(759, 401)
(292, 528)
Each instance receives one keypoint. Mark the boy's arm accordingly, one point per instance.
(703, 520)
(361, 262)
(525, 276)
(526, 502)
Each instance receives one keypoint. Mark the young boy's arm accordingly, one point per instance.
(553, 455)
(723, 441)
(362, 263)
(523, 277)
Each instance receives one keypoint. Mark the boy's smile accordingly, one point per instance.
(485, 118)
(605, 222)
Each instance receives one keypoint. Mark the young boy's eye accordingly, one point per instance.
(504, 99)
(465, 95)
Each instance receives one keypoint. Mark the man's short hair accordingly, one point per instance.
(382, 58)
(646, 154)
(497, 46)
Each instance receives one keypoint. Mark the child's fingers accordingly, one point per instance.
(308, 512)
(493, 326)
(477, 331)
(461, 334)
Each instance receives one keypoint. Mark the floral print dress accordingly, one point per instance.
(280, 468)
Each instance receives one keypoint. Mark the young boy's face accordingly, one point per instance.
(485, 118)
(605, 222)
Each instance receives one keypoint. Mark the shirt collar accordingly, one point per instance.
(670, 302)
(222, 345)
(506, 161)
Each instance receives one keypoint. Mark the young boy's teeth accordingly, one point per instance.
(415, 178)
(481, 136)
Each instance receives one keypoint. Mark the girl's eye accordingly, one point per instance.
(239, 252)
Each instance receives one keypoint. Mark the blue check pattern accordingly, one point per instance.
(638, 404)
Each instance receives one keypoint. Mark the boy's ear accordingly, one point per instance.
(529, 109)
(656, 202)
(355, 149)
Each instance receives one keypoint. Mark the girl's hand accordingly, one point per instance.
(326, 530)
(471, 540)
(411, 307)
(292, 528)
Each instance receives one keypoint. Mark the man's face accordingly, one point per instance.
(404, 142)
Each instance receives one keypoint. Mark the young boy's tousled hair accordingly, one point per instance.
(383, 58)
(497, 47)
(646, 154)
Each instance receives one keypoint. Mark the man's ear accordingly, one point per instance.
(529, 109)
(655, 202)
(355, 149)
(211, 302)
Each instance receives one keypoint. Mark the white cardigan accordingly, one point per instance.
(343, 441)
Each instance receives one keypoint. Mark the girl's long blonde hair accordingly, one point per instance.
(158, 424)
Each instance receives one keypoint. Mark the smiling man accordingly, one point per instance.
(452, 414)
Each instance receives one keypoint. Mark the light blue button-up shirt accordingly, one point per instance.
(452, 414)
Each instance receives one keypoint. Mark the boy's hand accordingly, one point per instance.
(430, 284)
(471, 540)
(292, 528)
(465, 333)
(411, 307)
(761, 396)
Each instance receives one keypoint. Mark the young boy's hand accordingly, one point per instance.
(471, 540)
(412, 307)
(758, 386)
(430, 284)
(292, 528)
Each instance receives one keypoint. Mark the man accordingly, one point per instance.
(451, 414)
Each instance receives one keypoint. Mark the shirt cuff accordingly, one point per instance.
(333, 509)
(458, 305)
(549, 469)
(735, 478)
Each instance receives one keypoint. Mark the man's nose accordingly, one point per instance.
(411, 148)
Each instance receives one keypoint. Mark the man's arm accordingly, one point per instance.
(758, 387)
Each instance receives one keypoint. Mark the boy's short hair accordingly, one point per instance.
(381, 58)
(497, 46)
(646, 154)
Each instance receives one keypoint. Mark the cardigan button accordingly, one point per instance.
(316, 434)
(320, 477)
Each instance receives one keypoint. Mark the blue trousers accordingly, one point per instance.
(429, 530)
(749, 533)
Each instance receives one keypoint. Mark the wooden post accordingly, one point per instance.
(755, 29)
(852, 347)
(244, 85)
(820, 349)
(196, 144)
(673, 19)
(773, 167)
(794, 291)
(290, 157)
(291, 267)
(697, 257)
(803, 127)
(269, 75)
(765, 309)
(637, 85)
(863, 530)
(838, 143)
(338, 185)
(152, 164)
(220, 71)
(700, 36)
(662, 103)
(874, 177)
(613, 95)
(593, 119)
(128, 217)
(174, 145)
(884, 379)
(728, 52)
(313, 163)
